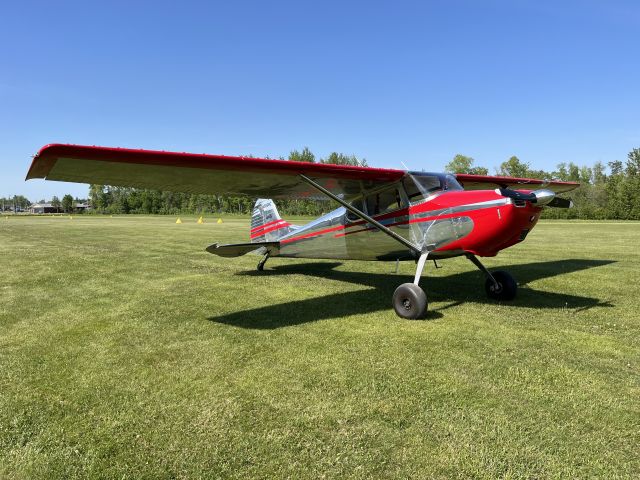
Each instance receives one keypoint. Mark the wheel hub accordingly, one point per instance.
(406, 303)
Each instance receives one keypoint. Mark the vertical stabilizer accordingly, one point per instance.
(266, 224)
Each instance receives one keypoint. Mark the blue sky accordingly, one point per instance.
(412, 82)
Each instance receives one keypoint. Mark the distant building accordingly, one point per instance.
(42, 208)
(48, 208)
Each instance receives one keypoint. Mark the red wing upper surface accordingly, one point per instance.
(200, 173)
(484, 182)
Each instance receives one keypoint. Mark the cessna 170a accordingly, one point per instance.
(384, 214)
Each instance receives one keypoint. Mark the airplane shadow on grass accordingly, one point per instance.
(458, 288)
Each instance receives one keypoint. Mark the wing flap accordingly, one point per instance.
(201, 173)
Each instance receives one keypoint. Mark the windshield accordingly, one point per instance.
(421, 185)
(451, 183)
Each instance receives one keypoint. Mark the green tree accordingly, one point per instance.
(599, 174)
(94, 194)
(615, 167)
(574, 172)
(55, 203)
(464, 164)
(633, 163)
(336, 158)
(20, 201)
(562, 173)
(67, 203)
(459, 164)
(514, 167)
(304, 156)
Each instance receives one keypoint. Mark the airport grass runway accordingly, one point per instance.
(127, 351)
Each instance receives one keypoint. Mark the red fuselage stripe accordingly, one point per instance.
(404, 222)
(260, 227)
(313, 234)
(268, 230)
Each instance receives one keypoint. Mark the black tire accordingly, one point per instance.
(507, 286)
(410, 301)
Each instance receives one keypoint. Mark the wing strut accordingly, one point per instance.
(414, 248)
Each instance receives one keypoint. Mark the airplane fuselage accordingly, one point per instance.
(447, 223)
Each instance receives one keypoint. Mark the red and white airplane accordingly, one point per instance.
(385, 214)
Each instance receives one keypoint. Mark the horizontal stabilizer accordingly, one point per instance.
(239, 249)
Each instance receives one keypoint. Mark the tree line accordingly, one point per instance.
(117, 200)
(610, 191)
(15, 203)
(20, 203)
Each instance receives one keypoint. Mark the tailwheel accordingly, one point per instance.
(410, 301)
(264, 259)
(505, 286)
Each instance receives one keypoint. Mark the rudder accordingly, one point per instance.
(266, 224)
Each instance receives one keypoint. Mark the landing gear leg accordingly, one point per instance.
(263, 261)
(409, 300)
(500, 285)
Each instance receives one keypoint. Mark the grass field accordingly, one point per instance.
(126, 351)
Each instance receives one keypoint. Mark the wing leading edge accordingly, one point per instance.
(221, 174)
(201, 173)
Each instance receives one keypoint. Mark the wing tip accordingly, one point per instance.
(212, 248)
(43, 161)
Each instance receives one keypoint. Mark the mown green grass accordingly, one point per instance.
(126, 351)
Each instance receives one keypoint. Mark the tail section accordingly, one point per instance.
(266, 224)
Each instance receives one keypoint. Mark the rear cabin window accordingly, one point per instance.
(382, 202)
(357, 204)
(377, 203)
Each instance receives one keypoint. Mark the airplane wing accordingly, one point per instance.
(200, 173)
(487, 182)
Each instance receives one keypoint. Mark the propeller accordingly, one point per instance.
(541, 197)
(560, 203)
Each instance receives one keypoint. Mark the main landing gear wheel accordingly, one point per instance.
(410, 301)
(505, 287)
(499, 285)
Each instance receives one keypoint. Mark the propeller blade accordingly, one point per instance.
(560, 203)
